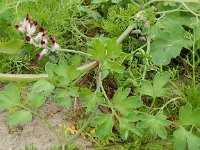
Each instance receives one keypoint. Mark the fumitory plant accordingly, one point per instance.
(128, 93)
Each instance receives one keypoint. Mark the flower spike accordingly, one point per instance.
(40, 40)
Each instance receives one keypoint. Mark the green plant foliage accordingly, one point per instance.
(11, 46)
(101, 51)
(92, 99)
(108, 53)
(105, 123)
(42, 87)
(107, 86)
(184, 139)
(103, 1)
(125, 104)
(62, 73)
(64, 97)
(157, 88)
(187, 116)
(9, 97)
(118, 19)
(19, 117)
(169, 37)
(156, 125)
(126, 124)
(36, 99)
(193, 95)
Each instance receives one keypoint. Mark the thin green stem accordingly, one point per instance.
(74, 51)
(140, 112)
(192, 128)
(165, 105)
(170, 11)
(193, 64)
(147, 52)
(153, 102)
(108, 101)
(79, 32)
(98, 82)
(196, 15)
(90, 117)
(139, 48)
(178, 1)
(23, 77)
(181, 94)
(106, 105)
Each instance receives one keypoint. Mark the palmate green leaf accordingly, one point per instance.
(114, 49)
(35, 99)
(91, 99)
(63, 97)
(99, 51)
(19, 117)
(155, 90)
(105, 50)
(9, 97)
(159, 81)
(167, 46)
(146, 88)
(156, 124)
(42, 87)
(187, 116)
(105, 123)
(11, 46)
(125, 104)
(184, 139)
(62, 73)
(113, 66)
(121, 94)
(126, 125)
(169, 37)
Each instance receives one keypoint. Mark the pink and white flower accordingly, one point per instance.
(40, 40)
(21, 29)
(25, 22)
(44, 41)
(30, 40)
(55, 46)
(31, 30)
(23, 25)
(42, 53)
(38, 37)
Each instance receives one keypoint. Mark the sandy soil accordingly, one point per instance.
(35, 133)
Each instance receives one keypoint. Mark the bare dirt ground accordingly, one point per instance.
(36, 133)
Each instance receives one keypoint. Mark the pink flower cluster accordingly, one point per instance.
(40, 40)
